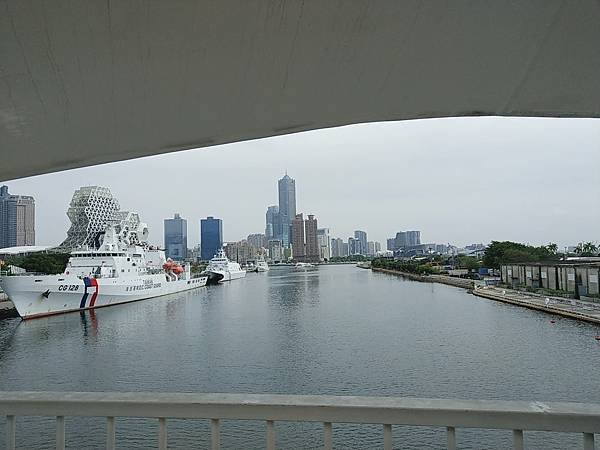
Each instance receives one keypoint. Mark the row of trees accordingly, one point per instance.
(351, 258)
(418, 268)
(586, 249)
(507, 252)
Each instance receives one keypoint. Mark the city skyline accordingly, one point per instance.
(486, 175)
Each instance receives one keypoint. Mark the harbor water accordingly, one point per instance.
(337, 330)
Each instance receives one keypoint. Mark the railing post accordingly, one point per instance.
(215, 434)
(110, 433)
(588, 441)
(60, 432)
(11, 442)
(270, 435)
(327, 436)
(162, 434)
(451, 434)
(387, 437)
(518, 439)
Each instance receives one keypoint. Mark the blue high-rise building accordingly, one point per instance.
(273, 223)
(211, 237)
(176, 238)
(287, 207)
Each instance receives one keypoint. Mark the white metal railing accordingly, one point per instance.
(518, 416)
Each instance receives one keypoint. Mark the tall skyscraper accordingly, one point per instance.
(313, 253)
(354, 246)
(211, 237)
(273, 223)
(17, 219)
(298, 247)
(391, 244)
(413, 238)
(407, 239)
(287, 207)
(324, 243)
(400, 240)
(362, 237)
(175, 238)
(336, 244)
(370, 248)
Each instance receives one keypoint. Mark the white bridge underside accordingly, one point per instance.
(98, 81)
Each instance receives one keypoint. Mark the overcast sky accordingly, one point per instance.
(459, 180)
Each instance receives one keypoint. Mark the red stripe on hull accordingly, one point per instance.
(94, 284)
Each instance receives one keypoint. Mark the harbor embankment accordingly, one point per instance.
(7, 309)
(444, 279)
(574, 309)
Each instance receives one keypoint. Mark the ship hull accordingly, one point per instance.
(37, 296)
(218, 276)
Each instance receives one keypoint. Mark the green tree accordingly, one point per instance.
(586, 249)
(468, 262)
(49, 263)
(504, 252)
(552, 248)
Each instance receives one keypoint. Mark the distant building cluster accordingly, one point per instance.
(289, 235)
(407, 244)
(356, 245)
(17, 219)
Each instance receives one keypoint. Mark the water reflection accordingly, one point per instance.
(89, 326)
(291, 288)
(336, 330)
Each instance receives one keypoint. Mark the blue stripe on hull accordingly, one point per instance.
(87, 283)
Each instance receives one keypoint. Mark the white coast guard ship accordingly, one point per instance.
(117, 272)
(220, 269)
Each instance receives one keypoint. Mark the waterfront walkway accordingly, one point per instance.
(575, 309)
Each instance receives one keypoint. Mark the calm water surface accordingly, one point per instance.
(337, 330)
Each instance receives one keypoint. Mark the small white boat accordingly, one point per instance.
(304, 266)
(261, 265)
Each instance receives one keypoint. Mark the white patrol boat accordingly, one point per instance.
(220, 269)
(261, 265)
(117, 272)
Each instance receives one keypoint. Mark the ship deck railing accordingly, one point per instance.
(516, 416)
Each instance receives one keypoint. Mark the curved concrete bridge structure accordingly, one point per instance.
(97, 81)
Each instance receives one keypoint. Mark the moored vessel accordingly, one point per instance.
(221, 269)
(261, 265)
(116, 272)
(304, 266)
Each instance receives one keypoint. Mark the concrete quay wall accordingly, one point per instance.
(444, 279)
(577, 310)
